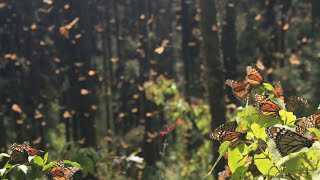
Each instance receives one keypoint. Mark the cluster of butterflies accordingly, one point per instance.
(266, 106)
(21, 152)
(286, 141)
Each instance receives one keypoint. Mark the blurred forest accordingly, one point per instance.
(131, 89)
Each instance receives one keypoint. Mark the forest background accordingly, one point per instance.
(106, 83)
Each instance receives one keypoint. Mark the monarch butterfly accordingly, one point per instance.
(291, 102)
(19, 154)
(267, 106)
(287, 141)
(59, 172)
(239, 89)
(254, 76)
(226, 132)
(312, 121)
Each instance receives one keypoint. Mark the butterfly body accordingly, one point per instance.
(239, 89)
(287, 141)
(267, 106)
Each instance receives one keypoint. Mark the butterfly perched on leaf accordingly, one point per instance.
(254, 76)
(59, 172)
(312, 121)
(267, 106)
(20, 153)
(287, 141)
(239, 89)
(291, 102)
(227, 132)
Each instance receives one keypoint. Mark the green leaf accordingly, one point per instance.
(268, 86)
(236, 157)
(287, 117)
(48, 166)
(239, 173)
(71, 162)
(45, 158)
(87, 164)
(222, 149)
(38, 161)
(264, 164)
(258, 131)
(23, 168)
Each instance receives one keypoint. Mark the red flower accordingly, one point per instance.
(163, 133)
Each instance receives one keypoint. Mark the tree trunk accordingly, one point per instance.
(214, 69)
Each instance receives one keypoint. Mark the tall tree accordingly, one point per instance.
(214, 68)
(228, 41)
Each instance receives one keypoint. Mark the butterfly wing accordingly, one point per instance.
(312, 121)
(234, 137)
(69, 172)
(17, 157)
(267, 106)
(34, 152)
(254, 76)
(293, 102)
(287, 141)
(278, 91)
(56, 172)
(226, 132)
(239, 89)
(301, 125)
(219, 133)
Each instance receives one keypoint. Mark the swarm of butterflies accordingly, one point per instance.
(268, 103)
(21, 152)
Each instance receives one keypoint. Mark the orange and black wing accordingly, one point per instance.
(312, 121)
(287, 141)
(234, 137)
(219, 133)
(293, 102)
(226, 132)
(34, 152)
(301, 125)
(254, 76)
(69, 172)
(239, 89)
(18, 157)
(267, 106)
(56, 172)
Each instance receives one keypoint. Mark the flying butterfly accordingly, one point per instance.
(312, 121)
(59, 172)
(254, 76)
(292, 102)
(287, 141)
(239, 89)
(227, 132)
(266, 106)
